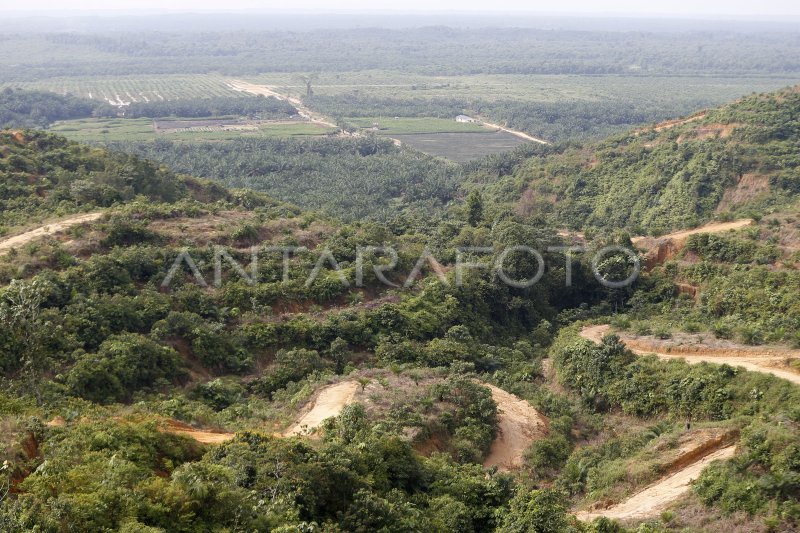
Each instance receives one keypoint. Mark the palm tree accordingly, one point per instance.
(308, 79)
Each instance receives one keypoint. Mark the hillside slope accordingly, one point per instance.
(738, 159)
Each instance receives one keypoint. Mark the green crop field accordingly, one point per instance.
(461, 147)
(141, 129)
(410, 125)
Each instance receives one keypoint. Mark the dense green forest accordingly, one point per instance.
(38, 109)
(350, 177)
(433, 50)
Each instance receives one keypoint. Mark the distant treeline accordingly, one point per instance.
(267, 107)
(433, 50)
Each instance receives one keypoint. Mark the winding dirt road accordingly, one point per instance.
(48, 229)
(519, 425)
(753, 358)
(660, 494)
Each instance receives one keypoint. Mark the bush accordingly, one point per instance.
(751, 335)
(123, 365)
(218, 394)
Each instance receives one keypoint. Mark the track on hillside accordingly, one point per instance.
(47, 229)
(748, 357)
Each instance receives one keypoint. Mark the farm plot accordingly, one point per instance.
(145, 129)
(405, 125)
(123, 90)
(461, 147)
(102, 130)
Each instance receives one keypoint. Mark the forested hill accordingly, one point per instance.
(44, 175)
(737, 160)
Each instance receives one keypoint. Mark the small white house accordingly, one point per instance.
(464, 118)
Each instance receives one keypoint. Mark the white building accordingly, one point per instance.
(464, 118)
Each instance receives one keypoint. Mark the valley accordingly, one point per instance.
(399, 273)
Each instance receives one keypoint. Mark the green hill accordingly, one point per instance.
(740, 159)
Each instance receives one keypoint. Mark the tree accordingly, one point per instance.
(20, 312)
(308, 79)
(339, 353)
(537, 511)
(474, 208)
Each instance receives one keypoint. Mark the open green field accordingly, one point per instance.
(410, 125)
(141, 129)
(461, 147)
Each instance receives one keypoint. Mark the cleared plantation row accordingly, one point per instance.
(519, 87)
(120, 90)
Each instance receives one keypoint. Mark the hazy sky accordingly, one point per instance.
(735, 8)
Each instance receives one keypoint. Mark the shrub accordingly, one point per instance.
(124, 364)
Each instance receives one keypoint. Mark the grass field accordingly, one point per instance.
(141, 129)
(404, 125)
(461, 147)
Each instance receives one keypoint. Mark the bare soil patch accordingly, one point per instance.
(200, 435)
(661, 249)
(48, 229)
(328, 403)
(660, 494)
(749, 187)
(519, 425)
(669, 124)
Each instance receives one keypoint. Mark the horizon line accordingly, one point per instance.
(741, 17)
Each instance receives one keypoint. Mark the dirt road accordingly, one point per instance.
(329, 403)
(517, 133)
(659, 495)
(48, 229)
(661, 249)
(519, 425)
(669, 124)
(712, 227)
(266, 90)
(203, 436)
(753, 358)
